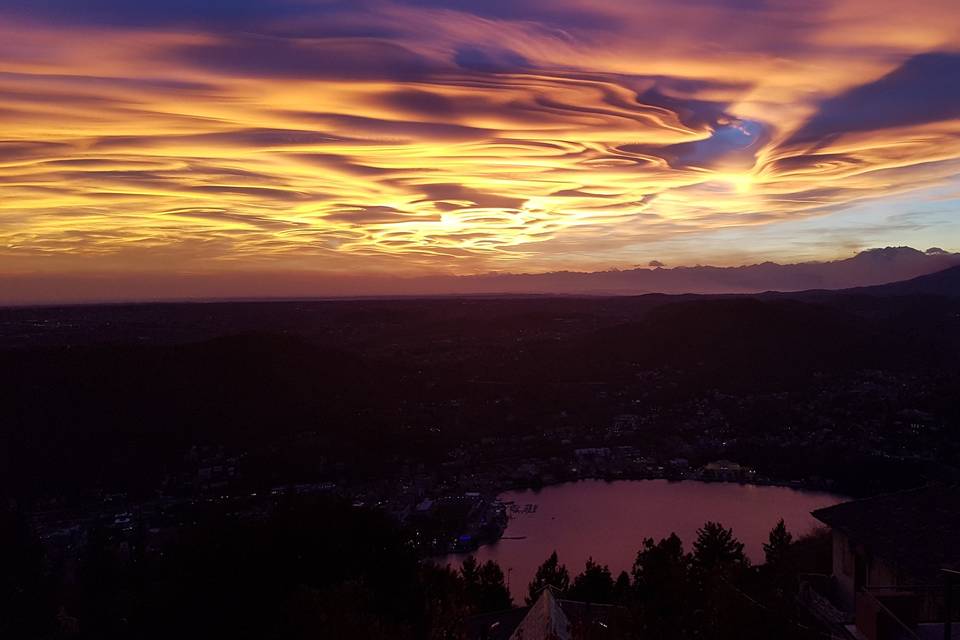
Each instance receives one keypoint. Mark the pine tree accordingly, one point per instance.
(494, 595)
(658, 564)
(550, 573)
(777, 548)
(470, 572)
(661, 575)
(484, 585)
(595, 584)
(716, 549)
(621, 588)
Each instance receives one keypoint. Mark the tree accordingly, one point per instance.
(26, 605)
(778, 547)
(550, 573)
(493, 593)
(661, 575)
(595, 584)
(470, 576)
(445, 601)
(716, 549)
(470, 572)
(660, 564)
(621, 588)
(484, 585)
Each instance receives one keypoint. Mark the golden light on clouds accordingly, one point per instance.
(456, 137)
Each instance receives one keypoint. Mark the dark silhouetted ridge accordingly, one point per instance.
(942, 283)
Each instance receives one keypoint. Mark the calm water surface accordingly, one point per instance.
(609, 520)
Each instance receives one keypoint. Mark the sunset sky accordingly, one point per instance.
(414, 137)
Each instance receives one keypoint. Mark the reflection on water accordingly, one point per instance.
(609, 520)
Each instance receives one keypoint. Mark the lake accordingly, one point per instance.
(609, 520)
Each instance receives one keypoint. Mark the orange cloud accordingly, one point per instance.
(413, 137)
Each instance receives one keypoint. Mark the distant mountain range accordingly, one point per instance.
(867, 268)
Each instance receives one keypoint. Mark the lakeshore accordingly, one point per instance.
(570, 517)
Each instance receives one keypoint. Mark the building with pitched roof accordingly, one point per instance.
(551, 617)
(894, 561)
(544, 621)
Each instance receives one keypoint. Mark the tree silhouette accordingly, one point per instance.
(470, 572)
(484, 585)
(25, 594)
(595, 584)
(780, 567)
(716, 549)
(445, 601)
(621, 588)
(550, 573)
(662, 586)
(493, 589)
(661, 563)
(778, 546)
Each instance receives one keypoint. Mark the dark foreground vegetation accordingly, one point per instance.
(318, 568)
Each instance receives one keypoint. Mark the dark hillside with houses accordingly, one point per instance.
(147, 446)
(865, 373)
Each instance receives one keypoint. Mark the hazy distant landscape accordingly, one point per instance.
(871, 267)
